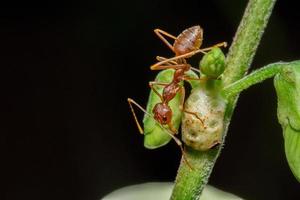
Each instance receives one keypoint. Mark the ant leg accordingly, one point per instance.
(185, 159)
(182, 91)
(160, 58)
(195, 69)
(172, 128)
(158, 83)
(160, 33)
(190, 53)
(162, 67)
(215, 143)
(187, 78)
(196, 115)
(131, 101)
(151, 84)
(221, 44)
(181, 107)
(178, 57)
(179, 143)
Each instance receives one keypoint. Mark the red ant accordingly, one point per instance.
(186, 45)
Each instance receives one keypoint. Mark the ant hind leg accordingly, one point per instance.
(160, 33)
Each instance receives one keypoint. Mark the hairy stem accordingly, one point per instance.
(247, 39)
(189, 184)
(255, 77)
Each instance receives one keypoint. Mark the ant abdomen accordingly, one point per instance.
(189, 40)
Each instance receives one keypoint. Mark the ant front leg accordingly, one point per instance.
(188, 78)
(187, 55)
(221, 44)
(160, 33)
(157, 83)
(162, 67)
(151, 85)
(183, 56)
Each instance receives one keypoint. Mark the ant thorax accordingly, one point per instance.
(189, 40)
(170, 91)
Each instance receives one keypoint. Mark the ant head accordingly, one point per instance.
(162, 113)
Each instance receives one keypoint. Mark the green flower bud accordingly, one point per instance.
(213, 63)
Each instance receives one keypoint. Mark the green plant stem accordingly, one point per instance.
(189, 184)
(247, 39)
(255, 77)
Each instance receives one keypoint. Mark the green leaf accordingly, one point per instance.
(292, 150)
(287, 85)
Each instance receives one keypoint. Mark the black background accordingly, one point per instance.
(66, 71)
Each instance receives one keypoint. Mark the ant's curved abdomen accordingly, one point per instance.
(189, 40)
